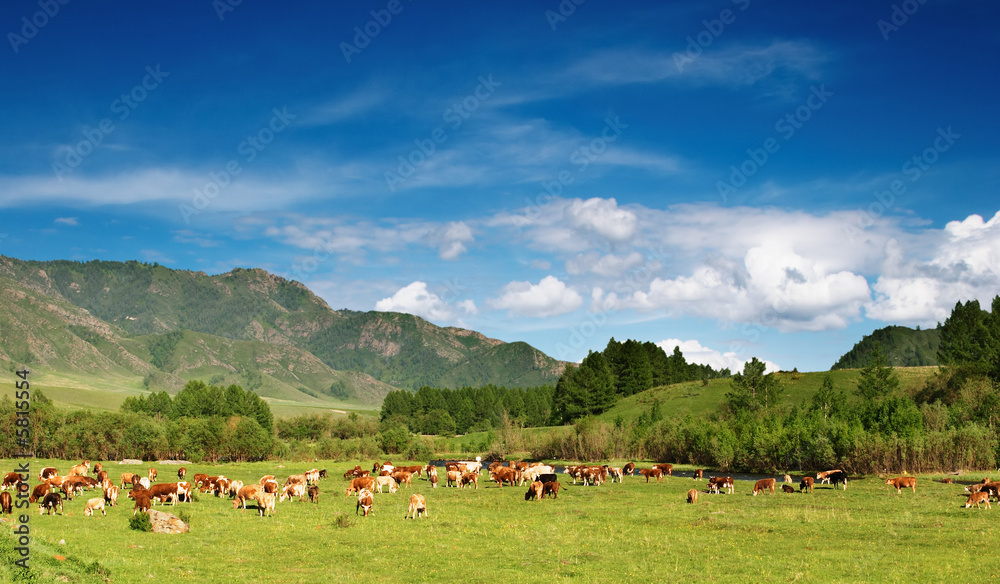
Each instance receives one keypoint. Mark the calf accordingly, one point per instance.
(293, 491)
(142, 502)
(152, 475)
(551, 488)
(454, 477)
(719, 484)
(181, 472)
(265, 504)
(6, 503)
(763, 485)
(470, 478)
(356, 472)
(50, 503)
(312, 476)
(698, 474)
(903, 483)
(388, 482)
(535, 491)
(787, 488)
(650, 473)
(360, 484)
(807, 483)
(313, 494)
(668, 469)
(692, 496)
(94, 505)
(246, 493)
(418, 507)
(977, 498)
(365, 502)
(111, 495)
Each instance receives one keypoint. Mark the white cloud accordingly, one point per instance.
(416, 299)
(603, 217)
(67, 220)
(694, 352)
(550, 297)
(609, 265)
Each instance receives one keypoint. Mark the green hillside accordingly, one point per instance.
(904, 347)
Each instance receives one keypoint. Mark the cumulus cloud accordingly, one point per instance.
(603, 217)
(694, 352)
(416, 299)
(550, 297)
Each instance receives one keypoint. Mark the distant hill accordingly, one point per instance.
(904, 347)
(245, 326)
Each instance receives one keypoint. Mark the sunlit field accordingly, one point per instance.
(630, 531)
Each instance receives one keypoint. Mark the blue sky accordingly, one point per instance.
(743, 178)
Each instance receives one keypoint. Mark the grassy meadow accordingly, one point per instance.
(630, 531)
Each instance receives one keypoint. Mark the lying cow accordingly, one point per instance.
(903, 483)
(418, 507)
(787, 489)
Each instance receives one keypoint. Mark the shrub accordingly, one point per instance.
(141, 522)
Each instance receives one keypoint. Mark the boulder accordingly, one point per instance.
(167, 523)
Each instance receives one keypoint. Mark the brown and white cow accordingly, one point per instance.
(79, 470)
(47, 473)
(418, 507)
(359, 484)
(667, 468)
(535, 491)
(10, 481)
(293, 491)
(246, 493)
(365, 502)
(39, 492)
(807, 483)
(164, 492)
(127, 479)
(719, 484)
(903, 483)
(469, 478)
(454, 477)
(152, 474)
(824, 476)
(550, 488)
(356, 472)
(181, 472)
(50, 503)
(265, 504)
(111, 495)
(401, 477)
(312, 476)
(977, 498)
(413, 470)
(692, 496)
(765, 485)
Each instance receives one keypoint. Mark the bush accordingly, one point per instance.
(141, 522)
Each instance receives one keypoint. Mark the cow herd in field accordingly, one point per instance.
(541, 479)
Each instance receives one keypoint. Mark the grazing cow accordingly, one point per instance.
(355, 472)
(787, 479)
(75, 485)
(127, 478)
(39, 492)
(96, 504)
(977, 498)
(265, 504)
(454, 477)
(668, 469)
(451, 466)
(615, 472)
(698, 474)
(270, 486)
(551, 488)
(163, 492)
(299, 479)
(629, 468)
(692, 496)
(365, 502)
(246, 493)
(401, 477)
(418, 507)
(142, 502)
(495, 465)
(807, 483)
(413, 470)
(102, 476)
(505, 474)
(312, 476)
(111, 495)
(388, 482)
(266, 478)
(838, 478)
(975, 487)
(763, 485)
(79, 470)
(535, 491)
(651, 473)
(430, 469)
(903, 483)
(200, 479)
(47, 473)
(787, 488)
(470, 478)
(6, 503)
(50, 503)
(359, 484)
(98, 467)
(152, 475)
(293, 491)
(234, 488)
(824, 476)
(434, 480)
(313, 494)
(10, 481)
(181, 472)
(144, 482)
(322, 473)
(719, 484)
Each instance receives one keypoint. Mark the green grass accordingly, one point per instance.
(632, 531)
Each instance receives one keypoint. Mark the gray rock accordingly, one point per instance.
(167, 523)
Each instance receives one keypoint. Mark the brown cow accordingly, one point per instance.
(39, 492)
(127, 479)
(651, 472)
(434, 480)
(164, 492)
(11, 480)
(535, 491)
(505, 474)
(401, 477)
(698, 474)
(977, 498)
(6, 503)
(418, 507)
(142, 502)
(807, 483)
(313, 494)
(454, 477)
(79, 470)
(763, 485)
(550, 488)
(629, 468)
(413, 470)
(265, 504)
(152, 475)
(719, 484)
(470, 478)
(692, 496)
(111, 495)
(50, 503)
(246, 493)
(358, 484)
(668, 469)
(903, 483)
(181, 472)
(270, 486)
(365, 502)
(98, 467)
(356, 472)
(47, 473)
(787, 488)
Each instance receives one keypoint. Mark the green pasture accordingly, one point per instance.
(614, 532)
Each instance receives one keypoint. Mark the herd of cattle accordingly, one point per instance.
(541, 479)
